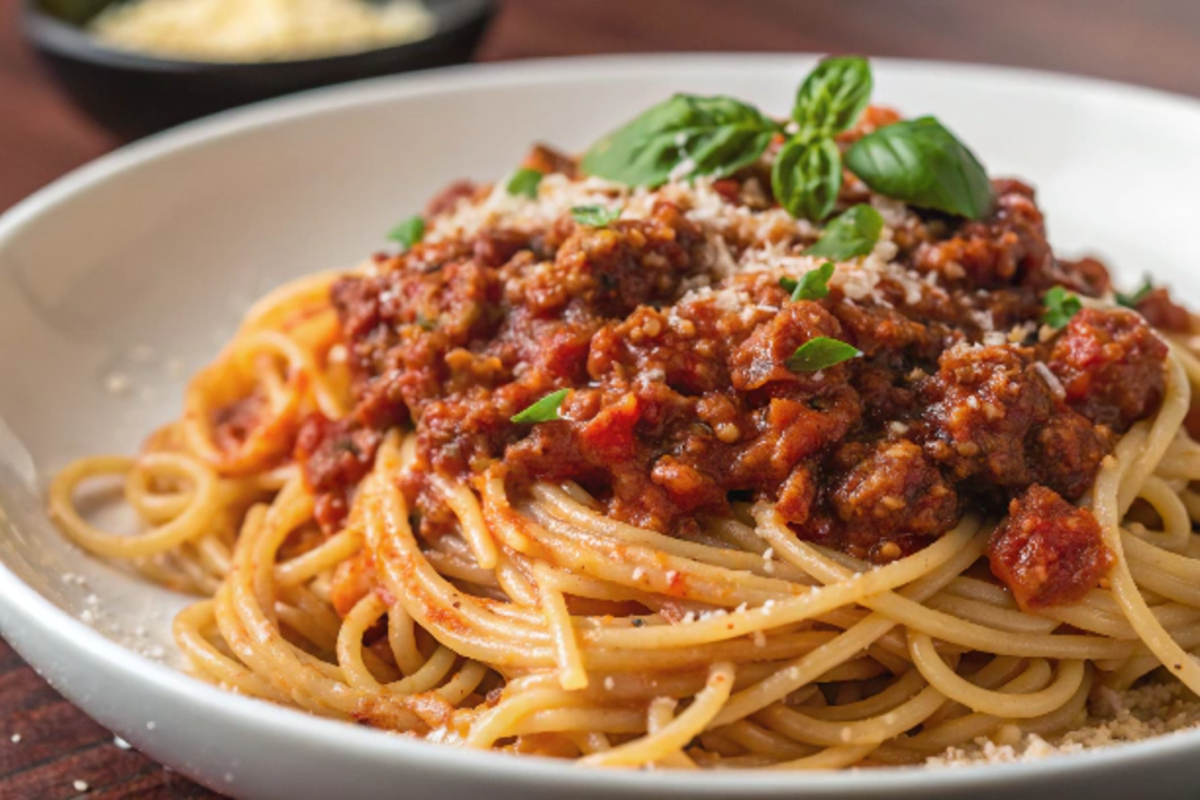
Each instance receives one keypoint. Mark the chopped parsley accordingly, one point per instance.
(544, 410)
(409, 232)
(821, 353)
(812, 285)
(1060, 305)
(1132, 300)
(595, 216)
(524, 183)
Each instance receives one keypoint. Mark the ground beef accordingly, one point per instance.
(1008, 248)
(762, 358)
(983, 402)
(1163, 313)
(896, 490)
(995, 423)
(1048, 552)
(337, 455)
(1065, 451)
(444, 201)
(547, 160)
(681, 399)
(1111, 365)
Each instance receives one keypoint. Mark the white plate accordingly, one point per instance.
(165, 243)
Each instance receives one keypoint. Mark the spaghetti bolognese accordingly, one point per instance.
(733, 443)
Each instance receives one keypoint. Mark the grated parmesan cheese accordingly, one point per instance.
(738, 239)
(260, 30)
(1154, 709)
(1056, 387)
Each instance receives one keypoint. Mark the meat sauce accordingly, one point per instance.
(682, 402)
(1048, 552)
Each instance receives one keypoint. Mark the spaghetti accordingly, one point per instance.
(375, 541)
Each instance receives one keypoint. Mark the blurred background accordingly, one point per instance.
(56, 83)
(44, 134)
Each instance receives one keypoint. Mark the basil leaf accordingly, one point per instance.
(1060, 305)
(833, 96)
(821, 353)
(852, 233)
(807, 177)
(409, 232)
(544, 410)
(595, 216)
(1132, 300)
(922, 163)
(524, 182)
(686, 135)
(813, 285)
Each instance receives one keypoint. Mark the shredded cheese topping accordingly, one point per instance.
(739, 239)
(260, 30)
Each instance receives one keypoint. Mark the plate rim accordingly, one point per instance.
(40, 613)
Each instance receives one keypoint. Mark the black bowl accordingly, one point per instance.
(134, 94)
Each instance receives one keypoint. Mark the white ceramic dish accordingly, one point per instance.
(134, 269)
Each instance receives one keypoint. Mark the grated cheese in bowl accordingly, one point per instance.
(260, 30)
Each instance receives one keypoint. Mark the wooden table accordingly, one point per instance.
(1152, 42)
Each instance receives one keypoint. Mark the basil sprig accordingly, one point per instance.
(685, 136)
(919, 161)
(409, 232)
(833, 97)
(922, 163)
(812, 285)
(544, 410)
(1060, 306)
(807, 177)
(1132, 300)
(852, 233)
(821, 353)
(807, 174)
(524, 183)
(595, 216)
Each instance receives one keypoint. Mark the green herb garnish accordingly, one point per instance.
(595, 216)
(1132, 300)
(807, 177)
(682, 137)
(408, 232)
(544, 410)
(813, 285)
(807, 174)
(852, 233)
(918, 161)
(524, 183)
(922, 163)
(821, 353)
(1060, 305)
(833, 97)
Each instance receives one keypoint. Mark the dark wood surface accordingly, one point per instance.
(46, 744)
